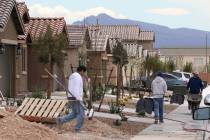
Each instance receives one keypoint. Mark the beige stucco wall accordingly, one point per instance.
(147, 45)
(72, 58)
(10, 34)
(21, 75)
(10, 31)
(182, 56)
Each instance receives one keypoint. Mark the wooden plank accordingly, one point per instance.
(22, 105)
(63, 104)
(39, 105)
(27, 106)
(33, 105)
(49, 108)
(58, 103)
(43, 108)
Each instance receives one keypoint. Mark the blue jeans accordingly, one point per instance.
(158, 109)
(77, 112)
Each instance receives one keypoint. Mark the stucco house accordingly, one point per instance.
(79, 43)
(22, 57)
(98, 59)
(11, 26)
(37, 77)
(137, 42)
(198, 56)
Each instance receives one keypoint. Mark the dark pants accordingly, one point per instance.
(158, 109)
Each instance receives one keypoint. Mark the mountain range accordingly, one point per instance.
(165, 37)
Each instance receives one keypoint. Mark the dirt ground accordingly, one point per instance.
(13, 127)
(99, 129)
(127, 128)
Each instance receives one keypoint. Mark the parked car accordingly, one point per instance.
(184, 76)
(203, 113)
(171, 80)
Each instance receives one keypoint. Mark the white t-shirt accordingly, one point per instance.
(75, 86)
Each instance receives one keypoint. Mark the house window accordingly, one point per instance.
(23, 59)
(198, 61)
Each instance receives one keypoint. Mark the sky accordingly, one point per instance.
(172, 13)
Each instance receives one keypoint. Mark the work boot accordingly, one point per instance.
(156, 122)
(161, 121)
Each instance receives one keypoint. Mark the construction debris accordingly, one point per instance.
(12, 127)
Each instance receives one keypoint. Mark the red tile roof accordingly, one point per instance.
(9, 8)
(24, 37)
(6, 7)
(23, 9)
(38, 26)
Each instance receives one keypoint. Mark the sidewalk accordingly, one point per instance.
(172, 130)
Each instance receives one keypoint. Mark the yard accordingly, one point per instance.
(100, 128)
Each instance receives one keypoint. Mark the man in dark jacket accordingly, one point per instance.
(195, 85)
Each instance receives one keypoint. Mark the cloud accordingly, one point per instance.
(38, 10)
(168, 11)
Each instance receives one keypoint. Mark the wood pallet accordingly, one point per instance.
(41, 110)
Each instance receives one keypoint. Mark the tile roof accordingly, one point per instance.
(6, 7)
(24, 37)
(125, 32)
(76, 35)
(23, 9)
(147, 36)
(38, 26)
(99, 41)
(9, 8)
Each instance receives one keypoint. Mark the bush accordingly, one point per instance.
(113, 108)
(38, 94)
(187, 67)
(97, 92)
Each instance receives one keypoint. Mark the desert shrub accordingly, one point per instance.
(37, 93)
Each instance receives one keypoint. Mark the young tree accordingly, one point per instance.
(153, 64)
(170, 66)
(120, 59)
(187, 67)
(50, 49)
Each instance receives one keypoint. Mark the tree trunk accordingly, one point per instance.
(50, 81)
(121, 77)
(118, 84)
(131, 76)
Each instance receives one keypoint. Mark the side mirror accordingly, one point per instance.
(202, 114)
(207, 100)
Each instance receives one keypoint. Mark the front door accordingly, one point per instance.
(7, 71)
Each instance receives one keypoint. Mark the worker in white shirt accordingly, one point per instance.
(75, 87)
